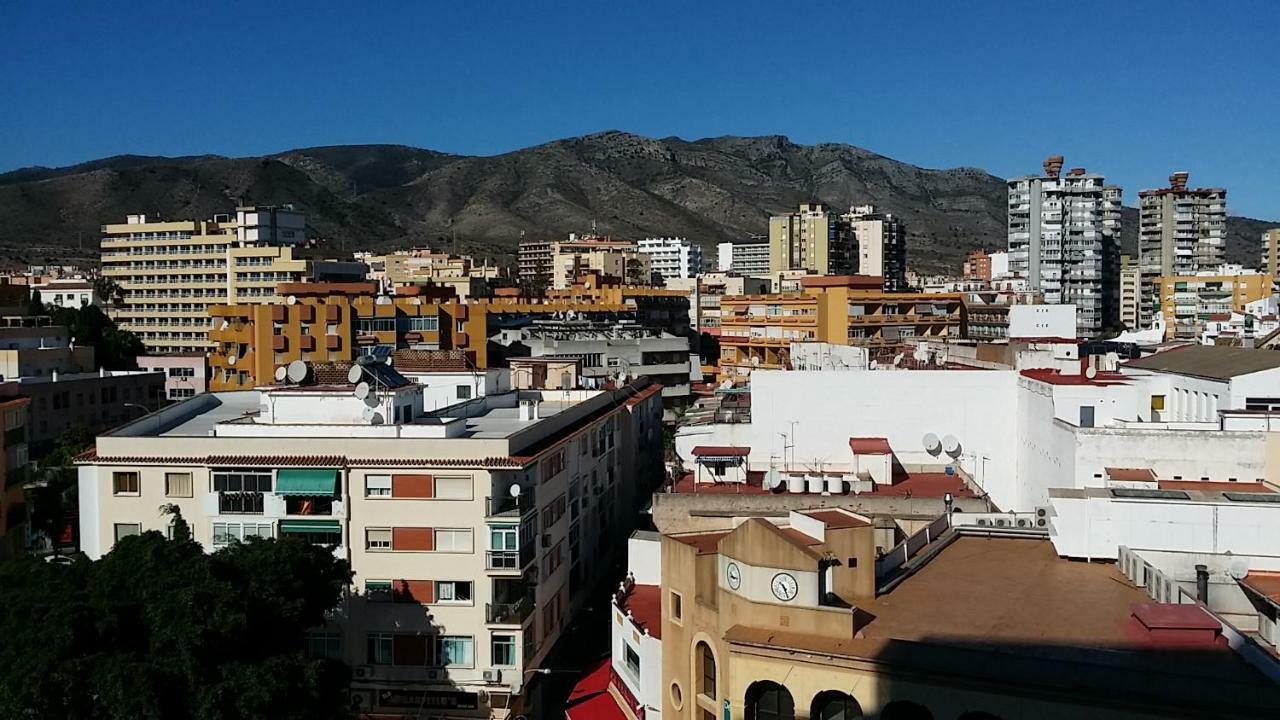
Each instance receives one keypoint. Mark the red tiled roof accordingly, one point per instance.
(720, 451)
(594, 681)
(602, 706)
(1055, 377)
(1131, 474)
(926, 485)
(800, 537)
(333, 461)
(431, 361)
(704, 543)
(837, 519)
(870, 446)
(1174, 616)
(644, 602)
(644, 394)
(1265, 583)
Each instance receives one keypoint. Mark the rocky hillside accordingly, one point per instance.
(385, 196)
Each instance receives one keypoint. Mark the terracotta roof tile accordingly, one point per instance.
(870, 446)
(335, 461)
(431, 361)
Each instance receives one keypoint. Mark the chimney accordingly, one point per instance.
(1202, 583)
(1053, 165)
(528, 410)
(1178, 180)
(1077, 172)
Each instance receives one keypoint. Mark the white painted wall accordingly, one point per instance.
(1057, 321)
(644, 560)
(648, 686)
(1096, 527)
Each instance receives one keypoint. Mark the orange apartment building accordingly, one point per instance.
(331, 322)
(757, 330)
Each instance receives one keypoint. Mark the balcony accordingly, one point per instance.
(502, 560)
(513, 613)
(511, 507)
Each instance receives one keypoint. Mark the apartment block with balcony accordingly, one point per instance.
(475, 532)
(880, 239)
(1064, 235)
(1188, 303)
(757, 330)
(1130, 291)
(749, 259)
(319, 322)
(1271, 252)
(172, 272)
(812, 238)
(1181, 231)
(557, 264)
(672, 257)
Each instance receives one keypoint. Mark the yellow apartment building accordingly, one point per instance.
(171, 273)
(1187, 302)
(757, 330)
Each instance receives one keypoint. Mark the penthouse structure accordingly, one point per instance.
(474, 532)
(170, 273)
(1064, 235)
(1181, 232)
(756, 330)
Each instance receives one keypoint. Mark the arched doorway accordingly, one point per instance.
(834, 705)
(767, 700)
(905, 710)
(705, 671)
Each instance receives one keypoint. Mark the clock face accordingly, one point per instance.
(733, 575)
(784, 586)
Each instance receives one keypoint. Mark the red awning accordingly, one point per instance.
(720, 451)
(599, 707)
(593, 682)
(870, 446)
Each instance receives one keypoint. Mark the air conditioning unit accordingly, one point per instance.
(983, 522)
(492, 675)
(1042, 512)
(1001, 522)
(363, 672)
(1042, 522)
(361, 700)
(1023, 522)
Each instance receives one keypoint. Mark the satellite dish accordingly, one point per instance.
(281, 373)
(291, 300)
(514, 491)
(772, 479)
(371, 399)
(231, 359)
(951, 444)
(354, 375)
(1091, 372)
(297, 371)
(932, 443)
(362, 391)
(367, 413)
(755, 361)
(225, 325)
(1238, 569)
(377, 419)
(897, 359)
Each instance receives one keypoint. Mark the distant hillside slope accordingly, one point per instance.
(385, 196)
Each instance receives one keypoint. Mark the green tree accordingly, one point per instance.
(159, 629)
(114, 349)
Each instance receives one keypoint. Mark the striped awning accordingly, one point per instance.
(310, 526)
(299, 481)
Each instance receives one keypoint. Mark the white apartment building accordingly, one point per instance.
(1181, 231)
(474, 532)
(557, 264)
(672, 257)
(705, 292)
(171, 272)
(881, 242)
(750, 259)
(1064, 234)
(1019, 433)
(73, 293)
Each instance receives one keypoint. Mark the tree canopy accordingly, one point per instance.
(114, 349)
(159, 629)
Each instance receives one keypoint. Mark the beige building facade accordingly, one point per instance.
(1181, 231)
(812, 238)
(170, 273)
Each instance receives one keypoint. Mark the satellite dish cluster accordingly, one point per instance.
(935, 446)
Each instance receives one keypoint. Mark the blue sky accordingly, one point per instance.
(1119, 88)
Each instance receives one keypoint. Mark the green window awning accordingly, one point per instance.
(307, 482)
(311, 526)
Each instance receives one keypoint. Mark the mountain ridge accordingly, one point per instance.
(383, 196)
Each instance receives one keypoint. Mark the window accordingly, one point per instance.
(453, 540)
(453, 488)
(125, 483)
(676, 608)
(379, 648)
(464, 392)
(453, 591)
(503, 537)
(457, 651)
(377, 590)
(177, 484)
(182, 372)
(124, 530)
(707, 666)
(227, 533)
(324, 645)
(502, 650)
(240, 503)
(377, 539)
(633, 659)
(377, 486)
(242, 481)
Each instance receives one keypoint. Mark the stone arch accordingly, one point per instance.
(767, 700)
(834, 705)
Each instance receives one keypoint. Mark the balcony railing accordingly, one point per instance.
(502, 560)
(507, 506)
(508, 613)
